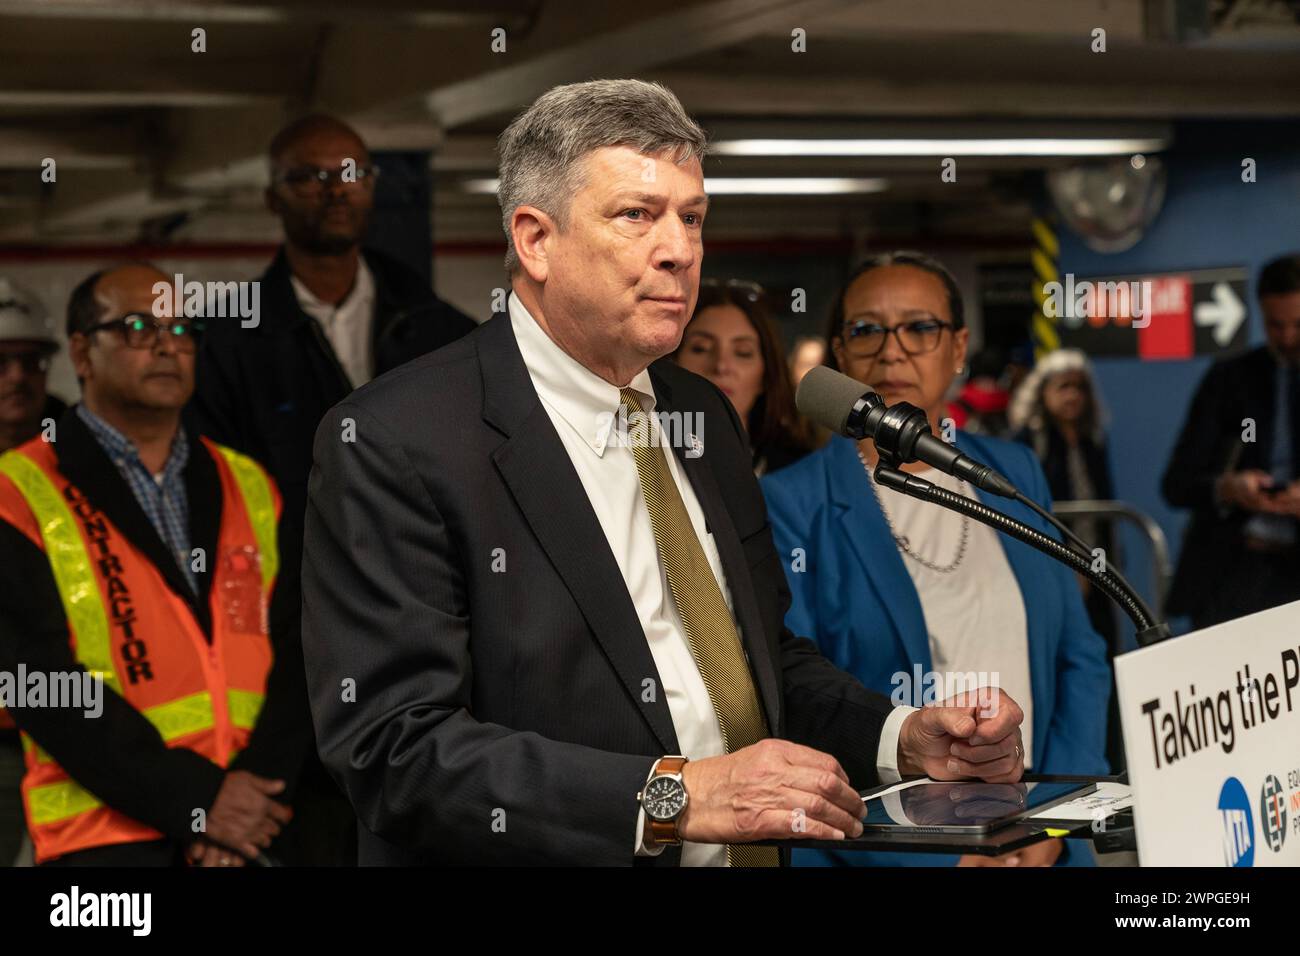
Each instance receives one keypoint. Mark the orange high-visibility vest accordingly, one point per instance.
(126, 624)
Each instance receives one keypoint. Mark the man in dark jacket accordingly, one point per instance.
(1234, 466)
(332, 316)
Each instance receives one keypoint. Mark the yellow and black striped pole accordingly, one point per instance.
(1044, 258)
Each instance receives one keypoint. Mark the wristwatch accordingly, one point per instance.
(664, 800)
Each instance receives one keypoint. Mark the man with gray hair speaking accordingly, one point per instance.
(536, 634)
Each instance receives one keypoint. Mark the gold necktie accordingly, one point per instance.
(710, 629)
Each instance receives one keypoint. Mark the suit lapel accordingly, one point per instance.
(536, 467)
(734, 565)
(872, 543)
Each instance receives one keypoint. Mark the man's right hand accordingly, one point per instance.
(1246, 490)
(772, 790)
(245, 817)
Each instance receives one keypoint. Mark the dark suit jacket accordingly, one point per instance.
(263, 390)
(120, 756)
(1235, 389)
(518, 696)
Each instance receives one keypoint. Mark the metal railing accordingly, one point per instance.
(1118, 512)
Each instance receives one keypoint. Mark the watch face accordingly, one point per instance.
(664, 798)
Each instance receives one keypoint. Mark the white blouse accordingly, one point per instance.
(975, 615)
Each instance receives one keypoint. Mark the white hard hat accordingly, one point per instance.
(23, 317)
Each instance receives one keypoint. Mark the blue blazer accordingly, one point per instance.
(855, 599)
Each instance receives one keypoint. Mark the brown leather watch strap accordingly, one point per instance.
(669, 765)
(664, 832)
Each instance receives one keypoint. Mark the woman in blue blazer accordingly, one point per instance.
(880, 604)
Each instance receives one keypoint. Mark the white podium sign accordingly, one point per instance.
(1212, 736)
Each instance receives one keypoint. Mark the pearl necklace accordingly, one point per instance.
(901, 540)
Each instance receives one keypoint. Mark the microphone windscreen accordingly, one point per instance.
(827, 397)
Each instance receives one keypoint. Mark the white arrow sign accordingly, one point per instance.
(1225, 313)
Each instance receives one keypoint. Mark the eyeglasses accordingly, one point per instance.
(141, 331)
(312, 180)
(29, 363)
(750, 290)
(865, 339)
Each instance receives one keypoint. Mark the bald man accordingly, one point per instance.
(137, 549)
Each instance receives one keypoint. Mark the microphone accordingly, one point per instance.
(901, 431)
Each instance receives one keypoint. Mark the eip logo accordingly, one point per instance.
(1238, 826)
(1272, 813)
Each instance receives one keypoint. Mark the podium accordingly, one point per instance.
(1212, 739)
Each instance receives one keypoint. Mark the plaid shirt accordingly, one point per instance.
(163, 498)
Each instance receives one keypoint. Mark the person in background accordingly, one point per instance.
(139, 549)
(732, 342)
(1234, 465)
(1020, 362)
(27, 343)
(884, 582)
(809, 351)
(333, 315)
(981, 406)
(1057, 411)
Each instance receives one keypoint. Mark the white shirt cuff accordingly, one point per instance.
(642, 847)
(887, 754)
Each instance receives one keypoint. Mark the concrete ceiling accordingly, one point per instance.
(154, 139)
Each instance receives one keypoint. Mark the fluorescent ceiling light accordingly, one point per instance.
(1026, 146)
(754, 185)
(791, 185)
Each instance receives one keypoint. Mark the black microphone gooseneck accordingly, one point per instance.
(901, 433)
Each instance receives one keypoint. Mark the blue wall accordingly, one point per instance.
(1210, 218)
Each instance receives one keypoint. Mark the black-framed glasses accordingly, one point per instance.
(750, 290)
(865, 339)
(312, 180)
(29, 363)
(140, 331)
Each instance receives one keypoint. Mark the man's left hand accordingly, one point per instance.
(972, 734)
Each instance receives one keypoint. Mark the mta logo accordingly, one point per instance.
(1272, 813)
(1238, 826)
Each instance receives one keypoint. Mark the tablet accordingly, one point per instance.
(964, 806)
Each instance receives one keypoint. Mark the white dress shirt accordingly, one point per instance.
(975, 615)
(582, 406)
(347, 325)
